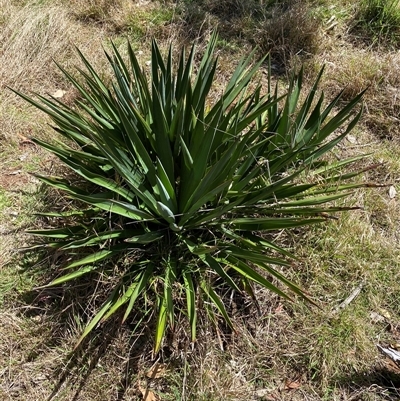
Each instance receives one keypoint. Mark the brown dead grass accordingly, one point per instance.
(356, 69)
(31, 37)
(285, 29)
(290, 31)
(111, 15)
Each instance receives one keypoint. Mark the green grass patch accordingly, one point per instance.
(380, 21)
(149, 21)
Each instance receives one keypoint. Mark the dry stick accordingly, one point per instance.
(349, 299)
(183, 395)
(393, 354)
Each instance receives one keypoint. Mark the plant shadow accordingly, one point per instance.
(286, 30)
(67, 311)
(383, 381)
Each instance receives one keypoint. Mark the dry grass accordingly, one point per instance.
(288, 352)
(31, 37)
(290, 31)
(354, 69)
(138, 20)
(287, 30)
(100, 11)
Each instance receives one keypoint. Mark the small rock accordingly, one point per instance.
(16, 172)
(59, 93)
(352, 139)
(376, 317)
(263, 392)
(392, 192)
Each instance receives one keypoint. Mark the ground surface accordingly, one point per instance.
(288, 352)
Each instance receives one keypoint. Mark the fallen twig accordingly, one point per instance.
(349, 299)
(391, 353)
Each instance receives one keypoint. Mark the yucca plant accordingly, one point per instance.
(183, 189)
